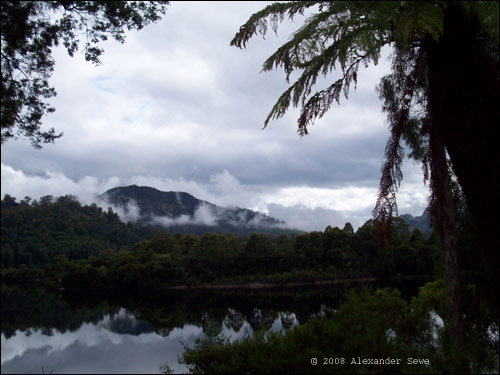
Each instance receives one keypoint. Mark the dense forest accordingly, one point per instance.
(83, 250)
(35, 231)
(63, 243)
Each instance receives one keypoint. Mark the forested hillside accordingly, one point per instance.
(82, 246)
(178, 211)
(33, 232)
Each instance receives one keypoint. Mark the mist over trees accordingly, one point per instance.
(60, 242)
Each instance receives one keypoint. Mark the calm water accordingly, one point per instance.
(78, 333)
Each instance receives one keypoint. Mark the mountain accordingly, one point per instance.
(177, 211)
(422, 222)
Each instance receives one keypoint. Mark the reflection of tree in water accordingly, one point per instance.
(324, 312)
(211, 327)
(164, 331)
(262, 319)
(33, 309)
(174, 309)
(288, 319)
(47, 331)
(162, 312)
(234, 320)
(125, 323)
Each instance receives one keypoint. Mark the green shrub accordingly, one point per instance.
(376, 326)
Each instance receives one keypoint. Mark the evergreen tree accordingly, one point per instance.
(442, 98)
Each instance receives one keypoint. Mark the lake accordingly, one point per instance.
(119, 332)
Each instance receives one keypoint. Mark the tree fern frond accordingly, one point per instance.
(280, 107)
(306, 43)
(397, 90)
(417, 19)
(273, 14)
(335, 42)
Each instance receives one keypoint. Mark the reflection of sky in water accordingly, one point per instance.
(97, 348)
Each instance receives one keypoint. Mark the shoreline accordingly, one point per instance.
(252, 285)
(259, 285)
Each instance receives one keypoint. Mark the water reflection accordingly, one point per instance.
(81, 333)
(78, 333)
(117, 343)
(96, 348)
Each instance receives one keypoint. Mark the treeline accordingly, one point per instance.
(188, 259)
(35, 231)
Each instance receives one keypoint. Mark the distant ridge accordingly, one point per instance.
(423, 222)
(153, 202)
(177, 211)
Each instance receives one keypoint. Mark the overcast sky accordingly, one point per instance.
(178, 109)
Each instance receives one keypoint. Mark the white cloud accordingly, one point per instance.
(19, 351)
(178, 109)
(203, 215)
(225, 183)
(303, 207)
(317, 218)
(18, 184)
(349, 198)
(129, 213)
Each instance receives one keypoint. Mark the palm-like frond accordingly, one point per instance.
(347, 34)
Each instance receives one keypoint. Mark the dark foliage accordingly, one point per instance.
(35, 232)
(375, 326)
(78, 246)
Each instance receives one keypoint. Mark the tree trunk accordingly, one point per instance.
(463, 103)
(443, 212)
(464, 97)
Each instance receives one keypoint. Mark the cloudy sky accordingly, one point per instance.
(178, 109)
